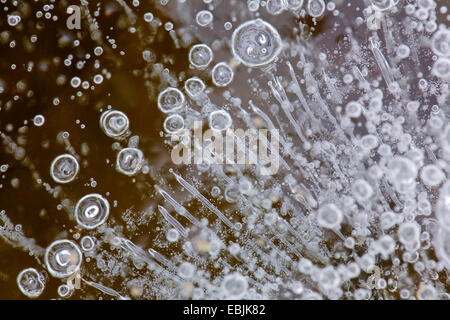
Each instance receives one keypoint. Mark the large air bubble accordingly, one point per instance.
(63, 258)
(91, 211)
(30, 283)
(256, 43)
(114, 123)
(64, 168)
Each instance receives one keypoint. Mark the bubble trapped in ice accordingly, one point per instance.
(64, 168)
(62, 258)
(256, 43)
(91, 211)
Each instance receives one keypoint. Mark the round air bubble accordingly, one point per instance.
(91, 211)
(64, 168)
(170, 100)
(194, 87)
(403, 51)
(408, 235)
(440, 42)
(431, 175)
(87, 243)
(388, 220)
(382, 5)
(329, 278)
(222, 74)
(65, 291)
(114, 123)
(427, 292)
(442, 246)
(204, 18)
(369, 142)
(234, 286)
(173, 124)
(220, 120)
(362, 191)
(256, 43)
(38, 120)
(402, 173)
(353, 109)
(316, 8)
(200, 56)
(294, 4)
(129, 161)
(186, 270)
(441, 68)
(62, 258)
(329, 216)
(30, 283)
(275, 7)
(445, 139)
(443, 206)
(172, 235)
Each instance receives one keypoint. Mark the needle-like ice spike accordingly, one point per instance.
(203, 200)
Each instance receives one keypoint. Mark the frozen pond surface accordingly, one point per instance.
(106, 190)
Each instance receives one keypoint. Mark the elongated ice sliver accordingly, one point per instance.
(385, 69)
(174, 222)
(105, 289)
(178, 207)
(203, 200)
(155, 254)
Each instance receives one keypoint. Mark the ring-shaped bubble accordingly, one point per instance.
(129, 161)
(64, 168)
(114, 123)
(170, 100)
(256, 43)
(63, 258)
(91, 211)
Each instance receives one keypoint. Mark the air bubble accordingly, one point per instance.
(441, 68)
(63, 258)
(186, 270)
(30, 283)
(170, 100)
(13, 20)
(234, 286)
(194, 87)
(256, 43)
(382, 5)
(220, 120)
(432, 175)
(275, 7)
(222, 74)
(114, 123)
(440, 43)
(87, 243)
(200, 56)
(204, 18)
(91, 211)
(129, 161)
(329, 216)
(64, 168)
(353, 109)
(38, 120)
(362, 191)
(316, 8)
(75, 82)
(408, 235)
(172, 235)
(173, 124)
(294, 4)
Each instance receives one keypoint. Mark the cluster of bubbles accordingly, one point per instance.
(359, 93)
